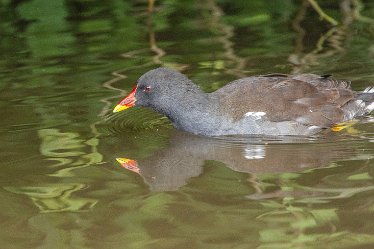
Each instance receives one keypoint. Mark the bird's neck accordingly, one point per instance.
(196, 113)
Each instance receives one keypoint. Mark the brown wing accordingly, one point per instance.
(319, 81)
(322, 82)
(308, 98)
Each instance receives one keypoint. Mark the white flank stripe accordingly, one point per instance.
(256, 115)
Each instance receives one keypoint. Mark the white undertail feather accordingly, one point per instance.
(369, 89)
(369, 105)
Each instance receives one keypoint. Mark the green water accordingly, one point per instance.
(65, 64)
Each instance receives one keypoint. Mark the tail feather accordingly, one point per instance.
(369, 89)
(370, 107)
(367, 96)
(362, 105)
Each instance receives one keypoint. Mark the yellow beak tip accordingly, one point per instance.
(119, 108)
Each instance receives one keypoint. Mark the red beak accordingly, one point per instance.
(127, 102)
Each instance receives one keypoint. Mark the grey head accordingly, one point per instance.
(171, 93)
(162, 87)
(165, 90)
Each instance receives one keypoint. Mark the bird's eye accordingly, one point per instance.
(147, 89)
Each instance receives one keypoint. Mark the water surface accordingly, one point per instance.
(65, 64)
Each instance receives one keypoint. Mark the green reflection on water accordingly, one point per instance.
(56, 197)
(65, 64)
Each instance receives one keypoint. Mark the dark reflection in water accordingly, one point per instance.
(290, 191)
(65, 64)
(170, 168)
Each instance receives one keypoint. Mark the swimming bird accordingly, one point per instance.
(274, 104)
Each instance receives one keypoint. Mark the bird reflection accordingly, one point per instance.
(170, 168)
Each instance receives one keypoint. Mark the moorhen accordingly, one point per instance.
(275, 104)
